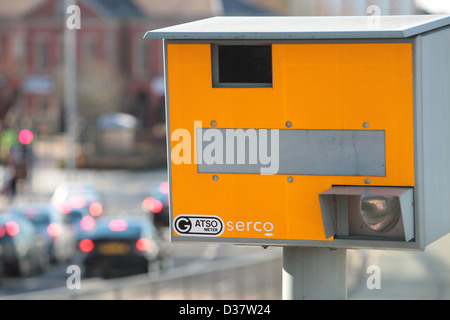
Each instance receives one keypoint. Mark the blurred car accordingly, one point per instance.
(82, 221)
(23, 250)
(121, 246)
(1, 264)
(156, 203)
(53, 226)
(78, 195)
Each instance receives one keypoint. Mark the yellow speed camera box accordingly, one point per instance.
(311, 131)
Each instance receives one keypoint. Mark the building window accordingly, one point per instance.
(90, 48)
(41, 54)
(60, 47)
(141, 67)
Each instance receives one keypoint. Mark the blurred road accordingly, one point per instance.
(123, 192)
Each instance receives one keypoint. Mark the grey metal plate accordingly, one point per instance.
(294, 28)
(299, 152)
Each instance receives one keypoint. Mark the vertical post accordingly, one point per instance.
(314, 273)
(70, 88)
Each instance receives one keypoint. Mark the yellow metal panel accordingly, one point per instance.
(315, 86)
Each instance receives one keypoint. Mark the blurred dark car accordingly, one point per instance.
(156, 203)
(1, 264)
(53, 226)
(121, 246)
(24, 252)
(78, 195)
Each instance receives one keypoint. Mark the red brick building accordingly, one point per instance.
(111, 34)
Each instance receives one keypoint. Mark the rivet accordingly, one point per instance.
(365, 124)
(288, 124)
(367, 181)
(215, 178)
(290, 179)
(213, 123)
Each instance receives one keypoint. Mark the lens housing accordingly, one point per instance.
(368, 213)
(380, 213)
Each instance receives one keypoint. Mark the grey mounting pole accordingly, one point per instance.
(70, 89)
(314, 273)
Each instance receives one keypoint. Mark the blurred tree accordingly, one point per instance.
(100, 90)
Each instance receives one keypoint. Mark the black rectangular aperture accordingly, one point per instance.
(244, 65)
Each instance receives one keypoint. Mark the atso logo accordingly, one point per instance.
(187, 225)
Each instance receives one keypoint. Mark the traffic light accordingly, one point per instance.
(25, 136)
(309, 131)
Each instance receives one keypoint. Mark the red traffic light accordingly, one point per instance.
(25, 136)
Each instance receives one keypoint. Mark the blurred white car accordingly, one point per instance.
(78, 195)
